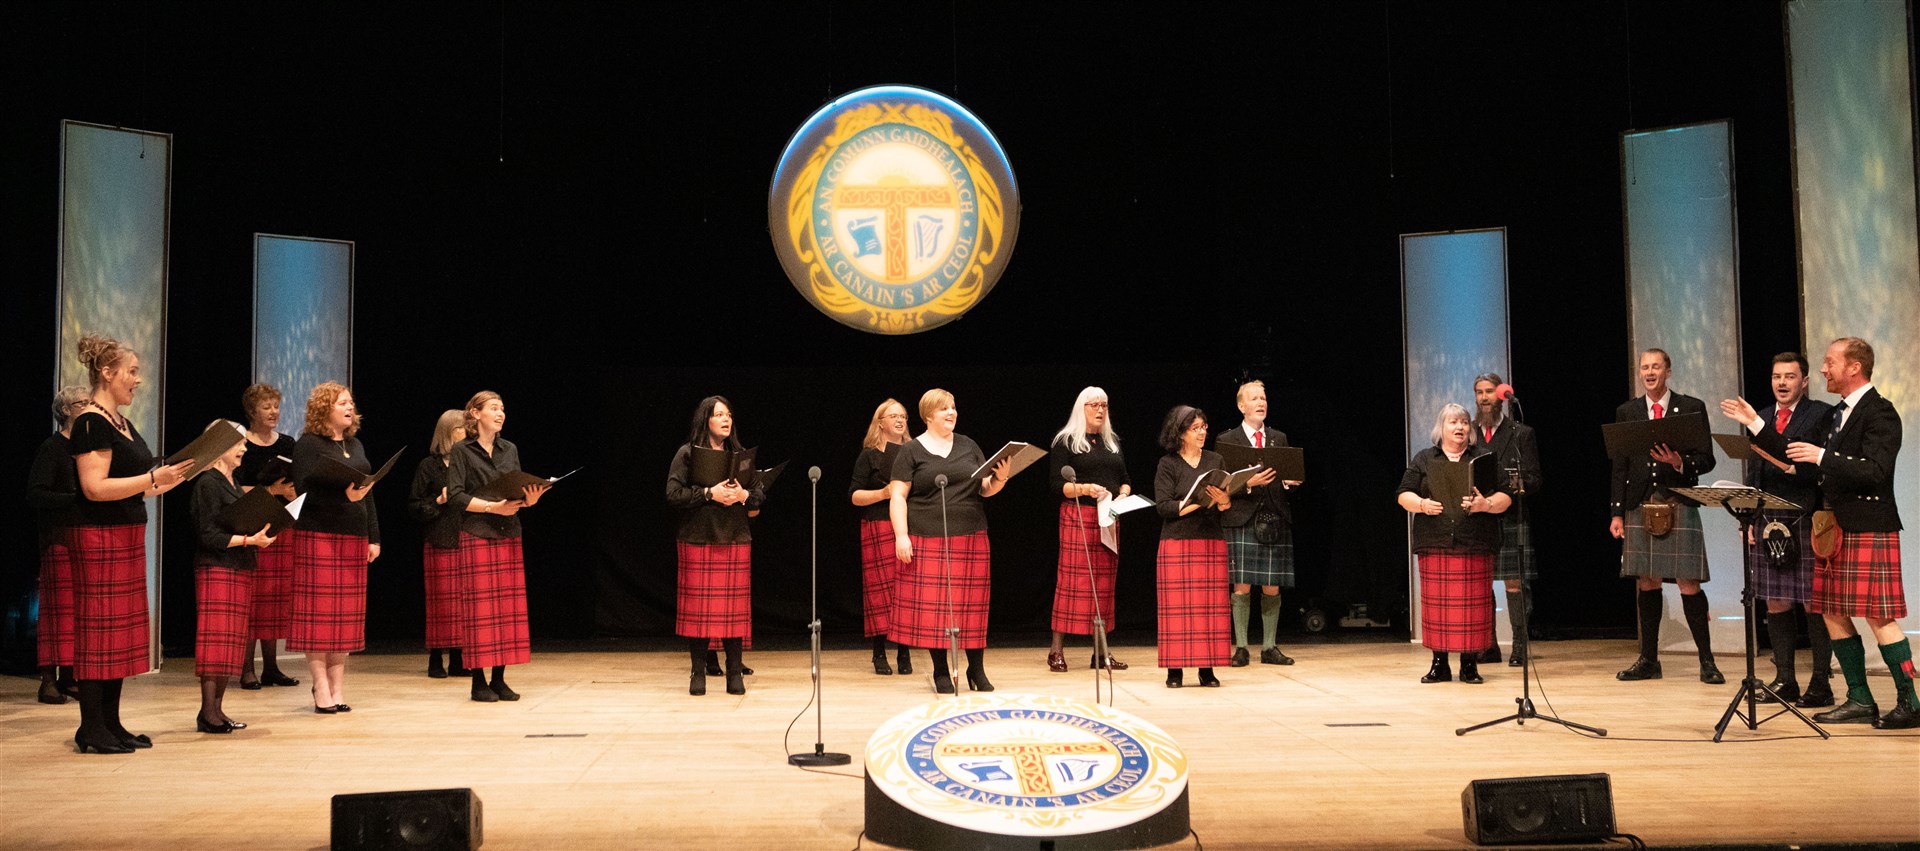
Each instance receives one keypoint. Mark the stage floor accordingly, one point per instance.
(606, 750)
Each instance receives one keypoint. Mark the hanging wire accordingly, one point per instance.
(829, 62)
(953, 22)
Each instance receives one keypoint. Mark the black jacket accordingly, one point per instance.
(1274, 494)
(1635, 479)
(1808, 425)
(1856, 475)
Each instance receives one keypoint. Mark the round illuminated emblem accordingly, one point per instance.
(893, 210)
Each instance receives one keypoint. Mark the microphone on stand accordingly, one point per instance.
(1093, 589)
(1506, 394)
(820, 755)
(946, 570)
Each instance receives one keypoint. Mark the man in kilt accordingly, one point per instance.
(1862, 579)
(1786, 582)
(1513, 447)
(1251, 561)
(1663, 538)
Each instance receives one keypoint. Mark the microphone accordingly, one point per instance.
(940, 481)
(1067, 473)
(1504, 391)
(813, 474)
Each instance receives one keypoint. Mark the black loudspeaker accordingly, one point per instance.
(423, 820)
(1556, 808)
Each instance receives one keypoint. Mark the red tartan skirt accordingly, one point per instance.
(1074, 591)
(1195, 630)
(715, 591)
(440, 565)
(879, 570)
(225, 600)
(1862, 580)
(922, 607)
(55, 629)
(110, 601)
(1456, 610)
(273, 588)
(493, 580)
(329, 593)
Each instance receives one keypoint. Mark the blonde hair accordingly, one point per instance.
(1075, 431)
(875, 439)
(255, 396)
(932, 401)
(65, 400)
(320, 406)
(443, 431)
(98, 353)
(478, 401)
(1447, 412)
(1240, 394)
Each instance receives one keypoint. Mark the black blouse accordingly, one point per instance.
(441, 521)
(327, 509)
(1096, 466)
(211, 494)
(1171, 480)
(966, 508)
(872, 472)
(247, 475)
(53, 488)
(470, 468)
(131, 457)
(1473, 533)
(703, 521)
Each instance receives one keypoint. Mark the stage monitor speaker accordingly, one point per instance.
(1555, 808)
(421, 820)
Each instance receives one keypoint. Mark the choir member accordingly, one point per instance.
(339, 536)
(117, 474)
(1085, 572)
(272, 617)
(940, 538)
(878, 567)
(53, 489)
(1250, 560)
(1455, 551)
(427, 502)
(1194, 627)
(223, 574)
(491, 565)
(714, 596)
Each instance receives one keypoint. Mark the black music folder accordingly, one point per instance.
(210, 445)
(334, 471)
(708, 467)
(1635, 439)
(510, 486)
(1022, 455)
(1229, 482)
(278, 469)
(1452, 482)
(257, 508)
(1738, 447)
(1290, 462)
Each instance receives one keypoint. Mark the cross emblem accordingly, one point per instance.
(893, 199)
(1029, 760)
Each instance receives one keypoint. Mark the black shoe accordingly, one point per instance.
(1111, 665)
(1518, 659)
(1207, 679)
(50, 693)
(1439, 673)
(275, 678)
(903, 663)
(1641, 669)
(1273, 656)
(1240, 657)
(1491, 655)
(341, 707)
(329, 710)
(880, 666)
(1710, 673)
(1787, 691)
(977, 680)
(696, 684)
(1470, 671)
(1175, 677)
(435, 669)
(735, 683)
(483, 694)
(459, 672)
(1850, 713)
(1818, 694)
(504, 691)
(85, 743)
(137, 741)
(250, 684)
(200, 725)
(1903, 717)
(942, 684)
(746, 671)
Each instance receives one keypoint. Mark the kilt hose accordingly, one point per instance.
(440, 568)
(1195, 631)
(1456, 613)
(329, 593)
(1796, 581)
(1862, 580)
(1679, 554)
(273, 588)
(109, 601)
(493, 579)
(54, 632)
(1074, 591)
(714, 597)
(224, 602)
(879, 570)
(921, 603)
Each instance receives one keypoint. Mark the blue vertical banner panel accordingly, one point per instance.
(1683, 295)
(114, 206)
(1454, 302)
(302, 317)
(1859, 251)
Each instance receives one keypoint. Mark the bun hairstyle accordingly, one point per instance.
(478, 401)
(65, 401)
(98, 353)
(320, 408)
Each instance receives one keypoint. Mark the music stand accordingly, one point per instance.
(1745, 504)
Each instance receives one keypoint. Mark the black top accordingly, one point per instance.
(1856, 473)
(1513, 446)
(1096, 466)
(1473, 533)
(131, 457)
(703, 521)
(871, 472)
(212, 493)
(1274, 495)
(248, 473)
(327, 509)
(470, 468)
(53, 487)
(1170, 483)
(966, 508)
(1634, 479)
(441, 521)
(1807, 424)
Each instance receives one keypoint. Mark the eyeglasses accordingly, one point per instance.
(1097, 405)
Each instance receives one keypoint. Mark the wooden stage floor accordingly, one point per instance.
(1344, 750)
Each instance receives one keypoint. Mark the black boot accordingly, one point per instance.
(736, 669)
(1694, 606)
(457, 666)
(110, 713)
(942, 675)
(1470, 670)
(49, 690)
(880, 666)
(977, 670)
(1782, 633)
(713, 664)
(481, 693)
(64, 680)
(93, 734)
(903, 661)
(1819, 690)
(697, 680)
(1440, 672)
(499, 685)
(435, 669)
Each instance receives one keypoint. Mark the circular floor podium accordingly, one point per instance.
(993, 771)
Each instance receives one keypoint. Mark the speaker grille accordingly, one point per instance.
(1555, 808)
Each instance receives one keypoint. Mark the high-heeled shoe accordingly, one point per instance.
(137, 741)
(1207, 679)
(942, 684)
(977, 680)
(1176, 677)
(85, 744)
(200, 725)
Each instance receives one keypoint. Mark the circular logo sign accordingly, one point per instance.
(1026, 765)
(893, 210)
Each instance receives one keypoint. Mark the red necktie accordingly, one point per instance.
(1259, 439)
(1780, 420)
(1489, 434)
(1658, 411)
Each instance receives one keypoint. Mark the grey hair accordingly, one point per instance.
(1447, 412)
(1075, 431)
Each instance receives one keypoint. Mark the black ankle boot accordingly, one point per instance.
(736, 669)
(1470, 669)
(1440, 672)
(456, 666)
(49, 690)
(942, 675)
(713, 664)
(880, 666)
(977, 670)
(903, 661)
(434, 668)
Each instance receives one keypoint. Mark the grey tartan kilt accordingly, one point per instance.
(1516, 540)
(1250, 562)
(1679, 554)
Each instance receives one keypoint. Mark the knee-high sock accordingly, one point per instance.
(1517, 618)
(1649, 604)
(1852, 654)
(1822, 645)
(1784, 633)
(1899, 656)
(1269, 619)
(1694, 606)
(1241, 605)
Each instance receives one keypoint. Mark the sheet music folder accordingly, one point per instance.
(335, 471)
(1450, 483)
(1288, 462)
(257, 508)
(211, 444)
(1022, 454)
(1737, 446)
(1636, 438)
(511, 484)
(1231, 483)
(708, 466)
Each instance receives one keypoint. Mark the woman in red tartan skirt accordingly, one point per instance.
(491, 568)
(53, 489)
(109, 542)
(714, 597)
(223, 572)
(1192, 563)
(339, 536)
(945, 562)
(1456, 549)
(1086, 570)
(268, 464)
(427, 502)
(872, 472)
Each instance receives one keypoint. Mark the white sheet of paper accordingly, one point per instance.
(294, 507)
(1110, 508)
